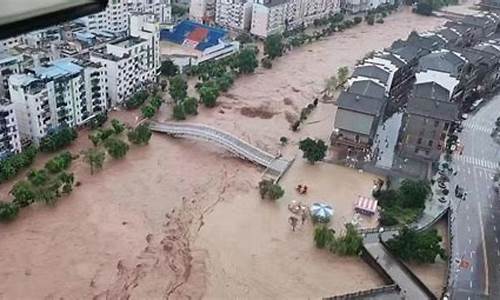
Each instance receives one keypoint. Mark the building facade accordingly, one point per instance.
(10, 142)
(131, 62)
(235, 14)
(161, 9)
(202, 11)
(114, 19)
(65, 92)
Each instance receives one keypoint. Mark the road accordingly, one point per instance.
(476, 221)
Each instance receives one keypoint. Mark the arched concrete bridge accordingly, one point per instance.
(276, 166)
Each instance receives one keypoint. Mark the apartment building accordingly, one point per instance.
(10, 142)
(202, 11)
(11, 62)
(235, 14)
(64, 92)
(275, 16)
(114, 19)
(161, 9)
(131, 62)
(357, 6)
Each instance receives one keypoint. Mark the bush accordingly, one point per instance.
(23, 193)
(178, 112)
(168, 68)
(118, 127)
(247, 61)
(209, 93)
(323, 236)
(370, 19)
(283, 140)
(273, 46)
(148, 111)
(59, 163)
(380, 21)
(11, 166)
(177, 88)
(190, 105)
(421, 247)
(140, 135)
(349, 244)
(58, 140)
(8, 211)
(268, 189)
(98, 120)
(116, 148)
(357, 20)
(136, 100)
(314, 150)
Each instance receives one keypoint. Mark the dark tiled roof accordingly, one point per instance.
(393, 59)
(430, 90)
(429, 42)
(479, 21)
(432, 108)
(460, 27)
(367, 88)
(449, 34)
(444, 61)
(407, 52)
(476, 56)
(371, 71)
(360, 103)
(271, 3)
(488, 48)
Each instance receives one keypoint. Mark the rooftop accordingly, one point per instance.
(360, 103)
(431, 90)
(127, 42)
(57, 69)
(444, 60)
(371, 71)
(432, 108)
(367, 88)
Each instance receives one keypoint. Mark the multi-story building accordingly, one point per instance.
(275, 16)
(11, 62)
(202, 11)
(236, 14)
(114, 19)
(10, 142)
(131, 62)
(161, 9)
(357, 6)
(64, 92)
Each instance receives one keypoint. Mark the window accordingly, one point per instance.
(419, 141)
(446, 126)
(430, 143)
(436, 123)
(443, 136)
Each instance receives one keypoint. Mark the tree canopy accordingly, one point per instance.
(314, 150)
(58, 139)
(177, 88)
(209, 92)
(116, 148)
(247, 61)
(269, 189)
(95, 158)
(168, 68)
(140, 135)
(273, 46)
(10, 166)
(421, 247)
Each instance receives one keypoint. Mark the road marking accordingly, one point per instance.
(496, 240)
(470, 242)
(472, 269)
(468, 228)
(470, 283)
(483, 245)
(494, 228)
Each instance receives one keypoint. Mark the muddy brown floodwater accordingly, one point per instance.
(180, 219)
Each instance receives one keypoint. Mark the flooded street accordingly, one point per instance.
(181, 219)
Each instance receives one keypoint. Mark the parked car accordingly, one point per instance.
(442, 199)
(441, 185)
(465, 116)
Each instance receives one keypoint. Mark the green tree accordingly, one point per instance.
(350, 243)
(98, 120)
(331, 84)
(414, 193)
(244, 38)
(156, 102)
(59, 163)
(58, 139)
(136, 100)
(116, 148)
(271, 190)
(148, 111)
(370, 19)
(178, 112)
(421, 247)
(314, 150)
(8, 211)
(247, 61)
(140, 135)
(38, 177)
(23, 193)
(177, 88)
(225, 81)
(209, 93)
(168, 68)
(273, 46)
(323, 236)
(190, 105)
(342, 75)
(7, 170)
(118, 126)
(95, 158)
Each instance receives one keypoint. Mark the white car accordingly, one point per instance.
(478, 102)
(465, 116)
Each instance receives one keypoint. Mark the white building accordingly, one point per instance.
(11, 62)
(356, 6)
(113, 19)
(236, 14)
(162, 9)
(276, 16)
(65, 92)
(202, 11)
(131, 62)
(10, 142)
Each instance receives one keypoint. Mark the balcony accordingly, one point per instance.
(96, 89)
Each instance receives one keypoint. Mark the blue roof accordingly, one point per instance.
(58, 68)
(201, 35)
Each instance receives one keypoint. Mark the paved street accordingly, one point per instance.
(476, 226)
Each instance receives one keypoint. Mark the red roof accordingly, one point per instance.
(198, 35)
